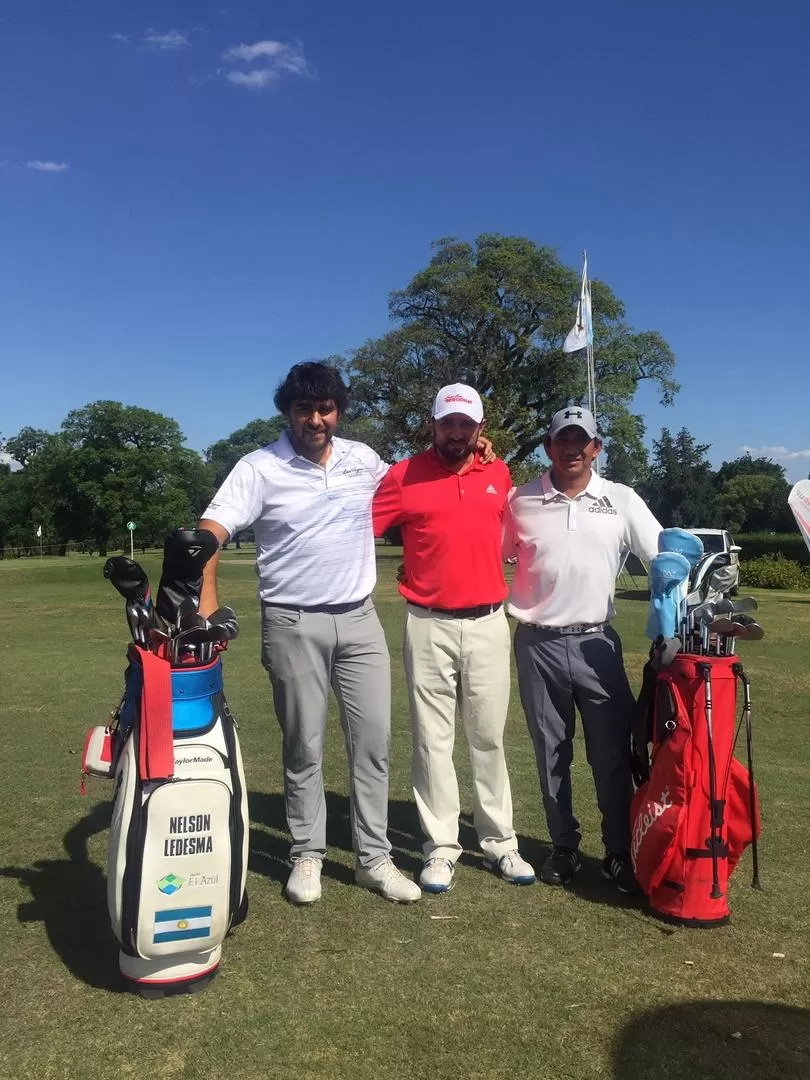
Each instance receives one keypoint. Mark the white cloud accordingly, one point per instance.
(779, 453)
(256, 79)
(171, 39)
(47, 166)
(279, 58)
(118, 37)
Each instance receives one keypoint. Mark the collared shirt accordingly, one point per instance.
(314, 540)
(569, 551)
(451, 529)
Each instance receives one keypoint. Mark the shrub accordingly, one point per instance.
(791, 545)
(774, 572)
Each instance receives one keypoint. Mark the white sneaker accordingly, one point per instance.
(304, 883)
(437, 875)
(512, 868)
(384, 878)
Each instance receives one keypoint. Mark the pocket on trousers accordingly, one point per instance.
(280, 618)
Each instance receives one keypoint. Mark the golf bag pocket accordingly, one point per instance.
(659, 808)
(97, 756)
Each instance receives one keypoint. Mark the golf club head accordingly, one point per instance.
(747, 629)
(129, 578)
(727, 606)
(136, 627)
(187, 613)
(705, 613)
(723, 626)
(224, 621)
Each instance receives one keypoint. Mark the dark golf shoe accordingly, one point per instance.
(560, 866)
(619, 869)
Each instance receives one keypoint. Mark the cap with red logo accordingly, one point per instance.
(458, 398)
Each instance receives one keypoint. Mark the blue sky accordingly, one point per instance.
(197, 195)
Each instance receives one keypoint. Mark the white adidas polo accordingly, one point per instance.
(569, 550)
(314, 538)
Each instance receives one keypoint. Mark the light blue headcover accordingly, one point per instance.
(668, 571)
(685, 543)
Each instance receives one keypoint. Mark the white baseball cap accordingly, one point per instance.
(458, 398)
(573, 416)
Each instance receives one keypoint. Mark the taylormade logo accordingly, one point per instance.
(602, 505)
(196, 760)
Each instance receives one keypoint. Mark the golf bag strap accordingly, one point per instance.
(156, 743)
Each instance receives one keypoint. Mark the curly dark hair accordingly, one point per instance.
(312, 381)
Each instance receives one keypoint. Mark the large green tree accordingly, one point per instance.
(224, 454)
(680, 487)
(108, 463)
(494, 314)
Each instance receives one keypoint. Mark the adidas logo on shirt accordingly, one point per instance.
(491, 490)
(602, 506)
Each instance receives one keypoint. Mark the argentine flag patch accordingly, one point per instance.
(183, 924)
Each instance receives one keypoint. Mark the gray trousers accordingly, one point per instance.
(560, 673)
(304, 652)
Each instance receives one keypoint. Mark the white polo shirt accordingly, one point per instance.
(314, 537)
(569, 550)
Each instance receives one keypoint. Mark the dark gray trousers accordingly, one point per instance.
(558, 674)
(304, 653)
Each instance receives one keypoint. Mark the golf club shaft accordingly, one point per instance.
(752, 797)
(706, 671)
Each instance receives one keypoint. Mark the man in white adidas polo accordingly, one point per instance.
(570, 530)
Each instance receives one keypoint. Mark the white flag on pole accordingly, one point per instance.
(39, 531)
(582, 334)
(799, 503)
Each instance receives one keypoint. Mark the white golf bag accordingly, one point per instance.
(178, 850)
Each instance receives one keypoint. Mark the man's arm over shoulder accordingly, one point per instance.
(386, 508)
(643, 529)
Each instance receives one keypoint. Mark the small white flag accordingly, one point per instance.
(582, 333)
(799, 503)
(39, 531)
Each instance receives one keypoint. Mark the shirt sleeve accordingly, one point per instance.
(508, 530)
(643, 529)
(380, 468)
(238, 503)
(386, 509)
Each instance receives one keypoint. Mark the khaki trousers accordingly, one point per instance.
(459, 664)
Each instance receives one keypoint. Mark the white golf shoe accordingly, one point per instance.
(304, 883)
(384, 878)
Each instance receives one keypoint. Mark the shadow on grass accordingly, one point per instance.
(633, 594)
(69, 896)
(755, 1040)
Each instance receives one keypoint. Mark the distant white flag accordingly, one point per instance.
(582, 333)
(799, 503)
(39, 531)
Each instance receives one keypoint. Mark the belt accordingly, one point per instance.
(577, 628)
(463, 612)
(321, 609)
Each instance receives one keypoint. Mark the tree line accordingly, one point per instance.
(492, 313)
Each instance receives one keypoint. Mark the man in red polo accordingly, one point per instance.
(449, 506)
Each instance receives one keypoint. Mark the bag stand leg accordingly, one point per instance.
(706, 672)
(174, 975)
(749, 743)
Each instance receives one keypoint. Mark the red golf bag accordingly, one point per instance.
(697, 809)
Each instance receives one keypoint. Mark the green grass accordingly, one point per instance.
(530, 982)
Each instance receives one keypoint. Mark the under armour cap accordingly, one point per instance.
(458, 398)
(573, 416)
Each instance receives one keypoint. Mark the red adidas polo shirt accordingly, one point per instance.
(451, 529)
